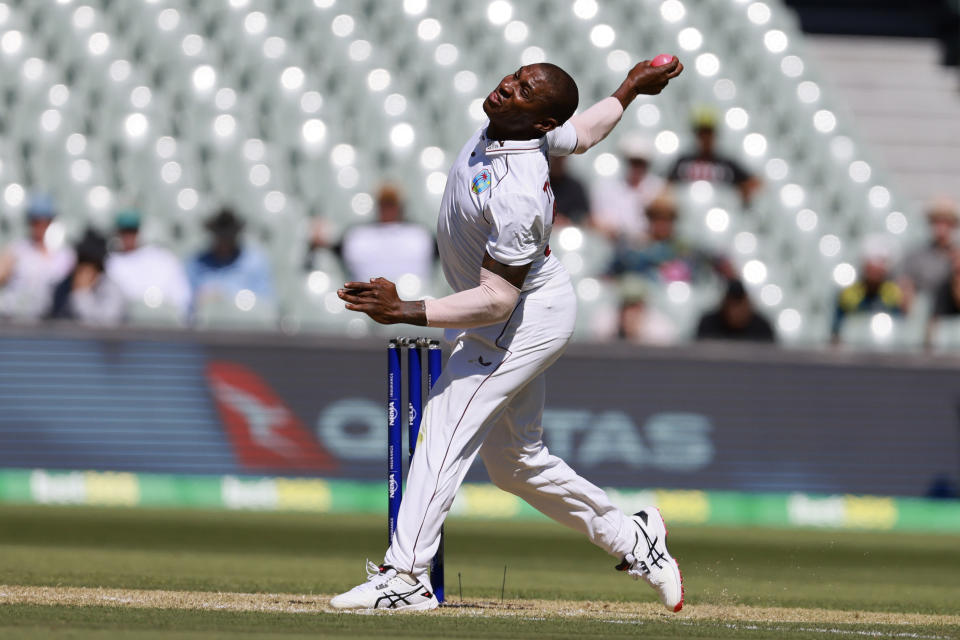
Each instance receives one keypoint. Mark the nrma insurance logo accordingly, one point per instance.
(392, 413)
(411, 412)
(392, 485)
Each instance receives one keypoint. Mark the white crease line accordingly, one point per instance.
(852, 632)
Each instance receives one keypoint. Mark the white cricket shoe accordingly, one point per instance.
(651, 561)
(386, 588)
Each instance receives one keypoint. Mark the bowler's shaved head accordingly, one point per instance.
(560, 94)
(531, 101)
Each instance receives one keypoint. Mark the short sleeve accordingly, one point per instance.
(562, 141)
(516, 231)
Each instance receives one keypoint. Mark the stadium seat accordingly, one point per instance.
(217, 62)
(583, 252)
(597, 310)
(878, 332)
(323, 312)
(801, 329)
(945, 334)
(683, 303)
(219, 314)
(164, 316)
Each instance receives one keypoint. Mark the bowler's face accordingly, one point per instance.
(517, 101)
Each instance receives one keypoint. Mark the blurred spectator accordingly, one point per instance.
(640, 322)
(572, 206)
(146, 274)
(619, 205)
(88, 295)
(705, 163)
(389, 247)
(927, 268)
(946, 301)
(735, 319)
(874, 292)
(667, 258)
(320, 233)
(30, 268)
(227, 267)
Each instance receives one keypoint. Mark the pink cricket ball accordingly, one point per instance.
(662, 59)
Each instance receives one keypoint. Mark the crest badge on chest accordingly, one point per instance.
(481, 181)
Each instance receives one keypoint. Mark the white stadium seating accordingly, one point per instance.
(288, 109)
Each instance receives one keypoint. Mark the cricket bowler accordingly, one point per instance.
(511, 316)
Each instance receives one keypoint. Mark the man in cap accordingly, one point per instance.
(147, 274)
(88, 295)
(228, 267)
(391, 246)
(735, 319)
(666, 257)
(31, 267)
(620, 204)
(928, 267)
(706, 163)
(874, 290)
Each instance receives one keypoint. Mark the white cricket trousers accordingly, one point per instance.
(489, 399)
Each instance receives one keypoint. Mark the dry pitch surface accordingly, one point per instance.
(612, 612)
(101, 574)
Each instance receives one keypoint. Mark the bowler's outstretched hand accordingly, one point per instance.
(646, 79)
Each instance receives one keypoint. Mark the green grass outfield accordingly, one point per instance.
(729, 573)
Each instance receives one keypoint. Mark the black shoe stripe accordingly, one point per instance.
(653, 554)
(395, 597)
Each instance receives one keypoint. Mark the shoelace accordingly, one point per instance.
(635, 569)
(373, 570)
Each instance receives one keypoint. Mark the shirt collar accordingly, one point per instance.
(506, 147)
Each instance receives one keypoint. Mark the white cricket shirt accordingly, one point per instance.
(498, 200)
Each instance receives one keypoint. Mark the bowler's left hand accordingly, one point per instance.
(378, 299)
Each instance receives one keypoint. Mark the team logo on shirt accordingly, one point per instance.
(480, 182)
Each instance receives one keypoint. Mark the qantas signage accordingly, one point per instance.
(264, 433)
(354, 429)
(639, 418)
